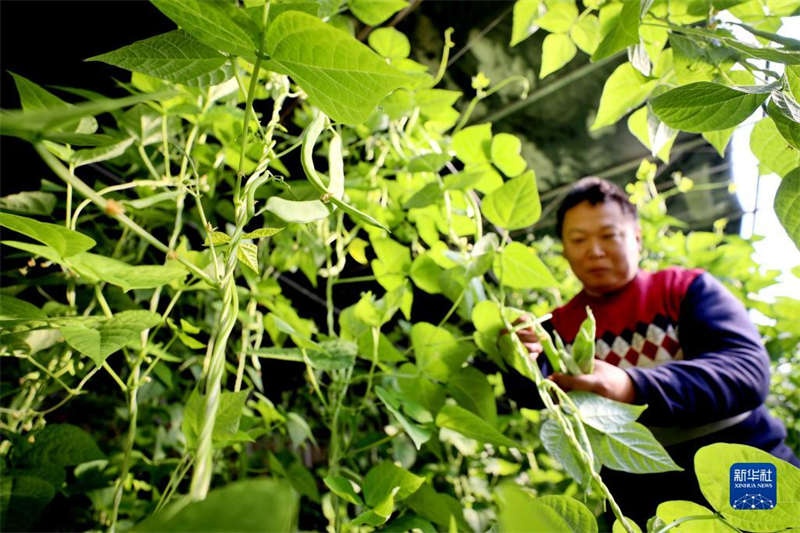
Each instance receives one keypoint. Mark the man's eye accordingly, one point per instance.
(577, 241)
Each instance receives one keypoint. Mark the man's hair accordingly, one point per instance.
(594, 190)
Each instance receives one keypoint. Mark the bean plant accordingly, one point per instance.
(263, 152)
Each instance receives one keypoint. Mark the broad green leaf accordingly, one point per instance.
(29, 497)
(519, 511)
(560, 16)
(62, 445)
(623, 91)
(713, 468)
(557, 50)
(671, 511)
(23, 124)
(693, 62)
(303, 481)
(409, 521)
(111, 335)
(393, 263)
(374, 12)
(64, 241)
(482, 255)
(101, 153)
(437, 353)
(604, 414)
(175, 56)
(557, 444)
(29, 203)
(35, 98)
(334, 354)
(470, 425)
(261, 233)
(638, 126)
(470, 388)
(430, 194)
(525, 14)
(428, 162)
(425, 273)
(440, 509)
(15, 309)
(382, 480)
(248, 506)
(390, 43)
(719, 139)
(434, 102)
(473, 144)
(792, 75)
(586, 34)
(632, 448)
(420, 435)
(506, 154)
(300, 212)
(515, 205)
(624, 33)
(519, 267)
(341, 75)
(343, 488)
(705, 106)
(220, 25)
(787, 205)
(619, 528)
(787, 124)
(247, 254)
(226, 423)
(124, 275)
(771, 149)
(427, 393)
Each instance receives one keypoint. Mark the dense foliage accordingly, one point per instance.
(165, 367)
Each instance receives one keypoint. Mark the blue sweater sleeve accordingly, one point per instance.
(725, 368)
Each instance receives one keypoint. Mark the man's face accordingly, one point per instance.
(602, 246)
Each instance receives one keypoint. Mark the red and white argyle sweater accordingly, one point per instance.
(636, 326)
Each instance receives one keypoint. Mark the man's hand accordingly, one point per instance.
(528, 337)
(607, 380)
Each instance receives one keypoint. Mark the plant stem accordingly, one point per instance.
(248, 111)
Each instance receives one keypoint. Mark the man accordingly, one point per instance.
(676, 340)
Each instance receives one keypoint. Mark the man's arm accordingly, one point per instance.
(725, 370)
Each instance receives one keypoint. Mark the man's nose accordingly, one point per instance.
(595, 250)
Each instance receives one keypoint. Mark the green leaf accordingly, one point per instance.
(473, 144)
(64, 241)
(787, 205)
(506, 156)
(713, 468)
(787, 123)
(226, 423)
(62, 445)
(557, 444)
(382, 480)
(34, 98)
(111, 335)
(101, 153)
(519, 267)
(393, 263)
(440, 509)
(410, 521)
(586, 34)
(619, 528)
(260, 233)
(560, 16)
(482, 255)
(335, 354)
(15, 309)
(705, 106)
(624, 33)
(515, 205)
(220, 25)
(29, 203)
(124, 275)
(420, 435)
(525, 14)
(428, 162)
(437, 353)
(787, 57)
(29, 497)
(792, 75)
(632, 448)
(374, 12)
(249, 506)
(356, 215)
(303, 481)
(425, 273)
(390, 43)
(671, 511)
(719, 139)
(604, 414)
(470, 388)
(247, 254)
(343, 488)
(300, 212)
(340, 75)
(557, 50)
(771, 149)
(519, 511)
(175, 56)
(470, 425)
(652, 133)
(623, 91)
